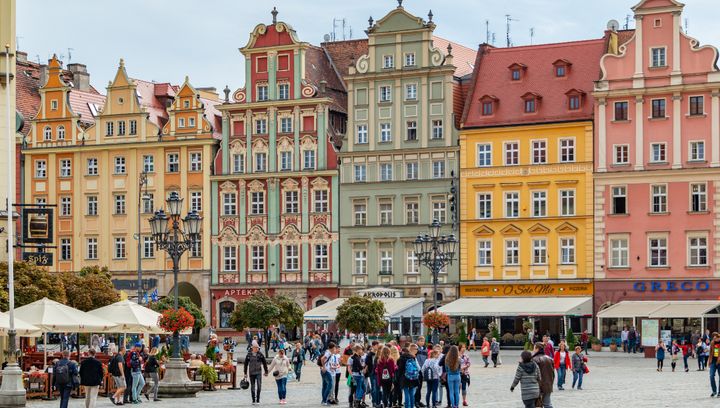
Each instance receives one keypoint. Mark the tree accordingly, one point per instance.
(259, 311)
(359, 314)
(31, 283)
(291, 314)
(168, 302)
(89, 291)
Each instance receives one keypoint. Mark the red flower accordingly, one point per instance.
(436, 320)
(176, 320)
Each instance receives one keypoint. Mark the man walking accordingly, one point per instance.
(547, 373)
(63, 375)
(422, 355)
(138, 380)
(624, 339)
(116, 367)
(254, 365)
(91, 376)
(327, 373)
(713, 363)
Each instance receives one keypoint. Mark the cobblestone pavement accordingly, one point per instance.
(615, 380)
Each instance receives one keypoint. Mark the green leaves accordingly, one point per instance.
(260, 311)
(360, 314)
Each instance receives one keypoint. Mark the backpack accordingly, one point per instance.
(62, 374)
(113, 367)
(135, 361)
(385, 375)
(320, 361)
(411, 370)
(427, 374)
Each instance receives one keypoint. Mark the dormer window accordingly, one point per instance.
(530, 102)
(488, 104)
(530, 106)
(517, 71)
(561, 68)
(575, 99)
(186, 104)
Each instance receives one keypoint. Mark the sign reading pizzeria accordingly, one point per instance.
(528, 289)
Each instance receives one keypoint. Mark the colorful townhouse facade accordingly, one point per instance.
(526, 177)
(85, 153)
(657, 153)
(8, 58)
(399, 153)
(275, 180)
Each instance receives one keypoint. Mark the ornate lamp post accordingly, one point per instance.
(169, 236)
(141, 198)
(436, 252)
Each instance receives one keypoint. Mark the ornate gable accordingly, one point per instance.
(255, 186)
(227, 237)
(483, 230)
(566, 228)
(511, 229)
(399, 20)
(538, 229)
(290, 184)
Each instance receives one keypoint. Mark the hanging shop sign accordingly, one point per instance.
(37, 225)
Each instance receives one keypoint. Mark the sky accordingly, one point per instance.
(165, 40)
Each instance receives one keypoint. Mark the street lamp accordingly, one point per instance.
(436, 252)
(141, 198)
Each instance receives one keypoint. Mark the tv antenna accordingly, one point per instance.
(613, 25)
(686, 26)
(70, 50)
(627, 21)
(340, 22)
(532, 35)
(508, 20)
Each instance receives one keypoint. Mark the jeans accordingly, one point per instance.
(156, 384)
(577, 378)
(91, 393)
(529, 403)
(409, 397)
(454, 389)
(685, 359)
(546, 401)
(625, 346)
(713, 373)
(494, 357)
(327, 383)
(418, 390)
(561, 375)
(65, 396)
(485, 360)
(138, 382)
(432, 388)
(298, 370)
(386, 393)
(359, 381)
(632, 346)
(336, 385)
(374, 389)
(282, 387)
(255, 386)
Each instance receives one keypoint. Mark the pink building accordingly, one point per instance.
(657, 153)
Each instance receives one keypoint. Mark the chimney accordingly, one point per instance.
(81, 78)
(43, 74)
(323, 86)
(21, 56)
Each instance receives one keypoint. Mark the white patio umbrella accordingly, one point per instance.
(130, 317)
(23, 328)
(51, 316)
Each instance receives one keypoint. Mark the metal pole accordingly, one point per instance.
(139, 241)
(10, 230)
(176, 334)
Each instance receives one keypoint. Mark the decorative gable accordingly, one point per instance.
(483, 230)
(566, 228)
(511, 229)
(538, 229)
(398, 20)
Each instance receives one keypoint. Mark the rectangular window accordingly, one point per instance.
(261, 126)
(621, 111)
(386, 173)
(65, 206)
(385, 132)
(262, 93)
(196, 249)
(411, 171)
(257, 202)
(196, 201)
(697, 150)
(148, 247)
(484, 252)
(411, 130)
(530, 106)
(512, 153)
(658, 57)
(515, 74)
(92, 166)
(148, 203)
(437, 129)
(133, 127)
(619, 253)
(438, 169)
(574, 102)
(308, 159)
(658, 108)
(385, 94)
(410, 59)
(119, 200)
(109, 129)
(484, 205)
(697, 105)
(484, 155)
(285, 161)
(512, 252)
(284, 91)
(119, 248)
(539, 251)
(181, 122)
(229, 204)
(362, 134)
(260, 162)
(567, 202)
(567, 251)
(320, 200)
(560, 71)
(567, 150)
(539, 203)
(659, 198)
(119, 165)
(539, 152)
(121, 128)
(360, 213)
(286, 125)
(229, 259)
(149, 163)
(92, 205)
(512, 204)
(195, 161)
(698, 249)
(91, 244)
(386, 261)
(65, 168)
(360, 172)
(621, 154)
(698, 197)
(360, 262)
(658, 153)
(412, 263)
(385, 208)
(257, 258)
(411, 92)
(321, 257)
(173, 163)
(619, 200)
(54, 104)
(412, 213)
(65, 249)
(292, 258)
(388, 61)
(487, 108)
(238, 163)
(658, 252)
(292, 202)
(439, 209)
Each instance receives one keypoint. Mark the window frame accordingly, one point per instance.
(483, 155)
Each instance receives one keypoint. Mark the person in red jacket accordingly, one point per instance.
(385, 373)
(562, 364)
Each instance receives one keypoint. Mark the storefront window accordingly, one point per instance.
(226, 309)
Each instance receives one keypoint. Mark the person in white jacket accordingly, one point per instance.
(431, 372)
(280, 367)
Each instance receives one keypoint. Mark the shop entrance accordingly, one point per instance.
(550, 326)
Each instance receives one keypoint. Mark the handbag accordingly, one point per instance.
(244, 384)
(276, 373)
(586, 369)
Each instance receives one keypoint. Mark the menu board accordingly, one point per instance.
(650, 332)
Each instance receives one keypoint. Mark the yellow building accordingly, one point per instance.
(85, 154)
(7, 103)
(526, 189)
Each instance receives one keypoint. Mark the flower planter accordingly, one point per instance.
(597, 347)
(613, 347)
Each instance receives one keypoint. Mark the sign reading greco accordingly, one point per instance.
(528, 289)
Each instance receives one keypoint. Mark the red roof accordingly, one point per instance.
(463, 57)
(149, 93)
(80, 103)
(493, 77)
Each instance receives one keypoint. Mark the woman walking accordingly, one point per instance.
(528, 375)
(660, 355)
(431, 374)
(151, 368)
(385, 373)
(578, 367)
(675, 354)
(485, 351)
(452, 365)
(464, 373)
(280, 367)
(494, 351)
(298, 359)
(562, 364)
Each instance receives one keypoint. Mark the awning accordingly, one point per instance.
(394, 308)
(519, 306)
(658, 309)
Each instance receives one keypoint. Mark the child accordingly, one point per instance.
(431, 373)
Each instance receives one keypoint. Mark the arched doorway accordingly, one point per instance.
(187, 289)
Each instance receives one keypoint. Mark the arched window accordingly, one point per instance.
(226, 309)
(439, 296)
(61, 132)
(320, 302)
(47, 133)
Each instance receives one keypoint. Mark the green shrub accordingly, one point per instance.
(571, 340)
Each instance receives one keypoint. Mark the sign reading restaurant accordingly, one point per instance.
(528, 289)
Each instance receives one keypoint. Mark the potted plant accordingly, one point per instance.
(613, 345)
(595, 343)
(209, 376)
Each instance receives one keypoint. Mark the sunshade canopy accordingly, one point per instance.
(51, 316)
(519, 306)
(22, 328)
(394, 307)
(130, 317)
(659, 309)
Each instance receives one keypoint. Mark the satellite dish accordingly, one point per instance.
(326, 37)
(613, 25)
